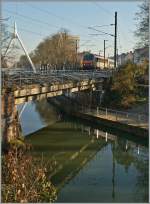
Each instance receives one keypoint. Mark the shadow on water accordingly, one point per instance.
(89, 163)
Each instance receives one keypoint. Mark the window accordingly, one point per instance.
(88, 57)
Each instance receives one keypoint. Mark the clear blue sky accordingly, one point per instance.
(76, 17)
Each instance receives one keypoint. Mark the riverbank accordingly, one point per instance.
(120, 121)
(141, 107)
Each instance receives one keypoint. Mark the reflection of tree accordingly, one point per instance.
(46, 111)
(142, 178)
(126, 157)
(113, 172)
(122, 155)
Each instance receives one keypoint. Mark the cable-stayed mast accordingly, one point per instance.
(16, 36)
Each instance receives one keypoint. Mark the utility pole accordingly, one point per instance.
(104, 53)
(117, 57)
(0, 36)
(115, 42)
(76, 52)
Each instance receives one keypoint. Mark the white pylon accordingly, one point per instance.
(16, 36)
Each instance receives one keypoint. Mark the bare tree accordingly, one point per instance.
(142, 17)
(58, 50)
(5, 39)
(9, 50)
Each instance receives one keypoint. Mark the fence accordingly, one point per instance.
(120, 116)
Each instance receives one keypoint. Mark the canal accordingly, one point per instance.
(86, 163)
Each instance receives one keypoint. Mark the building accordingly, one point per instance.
(110, 63)
(74, 40)
(140, 55)
(125, 57)
(137, 56)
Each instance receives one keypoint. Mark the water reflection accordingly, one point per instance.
(37, 115)
(89, 164)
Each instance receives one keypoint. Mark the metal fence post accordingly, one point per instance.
(97, 110)
(126, 145)
(97, 133)
(106, 137)
(138, 150)
(3, 78)
(139, 118)
(62, 79)
(20, 78)
(106, 113)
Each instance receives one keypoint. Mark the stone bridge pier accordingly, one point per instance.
(11, 128)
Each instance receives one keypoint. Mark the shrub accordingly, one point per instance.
(24, 179)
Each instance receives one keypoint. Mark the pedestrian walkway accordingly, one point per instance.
(132, 119)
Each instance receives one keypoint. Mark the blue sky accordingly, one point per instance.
(45, 18)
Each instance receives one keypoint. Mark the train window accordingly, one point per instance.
(88, 57)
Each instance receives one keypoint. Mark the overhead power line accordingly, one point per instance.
(35, 20)
(26, 30)
(57, 16)
(101, 31)
(103, 9)
(32, 19)
(95, 34)
(103, 25)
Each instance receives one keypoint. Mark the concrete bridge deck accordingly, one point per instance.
(27, 85)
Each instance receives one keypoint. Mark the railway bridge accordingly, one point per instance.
(20, 86)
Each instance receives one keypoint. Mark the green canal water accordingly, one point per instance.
(87, 163)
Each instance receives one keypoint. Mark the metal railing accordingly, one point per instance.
(119, 116)
(135, 119)
(22, 77)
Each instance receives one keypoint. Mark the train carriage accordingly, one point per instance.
(92, 61)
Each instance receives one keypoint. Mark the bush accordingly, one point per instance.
(122, 89)
(25, 180)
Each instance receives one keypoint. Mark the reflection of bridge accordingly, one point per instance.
(19, 86)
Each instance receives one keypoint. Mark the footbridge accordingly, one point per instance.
(27, 85)
(20, 86)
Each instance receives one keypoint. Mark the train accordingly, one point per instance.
(93, 61)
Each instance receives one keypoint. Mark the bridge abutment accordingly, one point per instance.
(11, 128)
